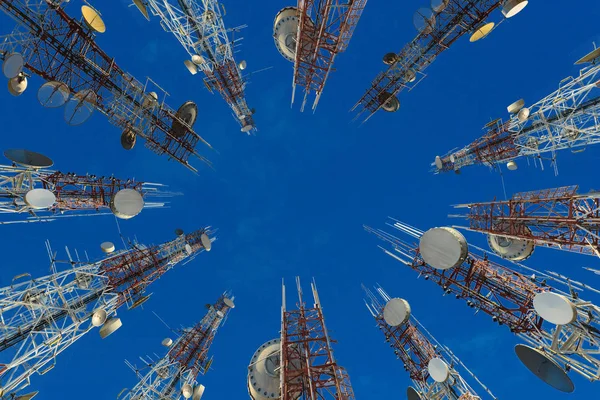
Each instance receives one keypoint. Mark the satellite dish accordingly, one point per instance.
(390, 58)
(512, 166)
(27, 396)
(99, 317)
(443, 248)
(107, 247)
(590, 57)
(191, 67)
(28, 158)
(142, 7)
(510, 8)
(198, 60)
(516, 106)
(228, 302)
(179, 232)
(150, 100)
(198, 392)
(167, 342)
(206, 242)
(523, 114)
(285, 29)
(438, 369)
(188, 249)
(17, 85)
(390, 103)
(128, 139)
(187, 113)
(513, 249)
(555, 308)
(126, 203)
(109, 327)
(13, 65)
(412, 394)
(482, 31)
(438, 162)
(92, 19)
(544, 368)
(39, 199)
(187, 390)
(53, 94)
(140, 301)
(439, 5)
(263, 371)
(424, 20)
(396, 312)
(80, 107)
(409, 76)
(242, 65)
(247, 128)
(452, 158)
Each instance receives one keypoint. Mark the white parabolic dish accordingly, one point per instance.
(263, 372)
(109, 327)
(438, 369)
(206, 243)
(396, 312)
(188, 249)
(438, 162)
(443, 248)
(198, 392)
(127, 203)
(187, 390)
(554, 308)
(228, 302)
(285, 29)
(98, 317)
(167, 342)
(107, 247)
(40, 199)
(12, 65)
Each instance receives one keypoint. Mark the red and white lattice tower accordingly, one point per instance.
(568, 118)
(311, 35)
(30, 192)
(176, 374)
(439, 27)
(42, 317)
(82, 77)
(556, 218)
(300, 364)
(431, 366)
(560, 328)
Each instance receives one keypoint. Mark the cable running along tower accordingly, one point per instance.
(568, 118)
(560, 328)
(81, 77)
(431, 366)
(439, 27)
(42, 317)
(176, 373)
(311, 35)
(300, 363)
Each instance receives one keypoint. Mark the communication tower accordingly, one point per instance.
(556, 218)
(431, 366)
(439, 27)
(566, 119)
(81, 77)
(198, 25)
(33, 193)
(300, 363)
(41, 317)
(560, 328)
(176, 373)
(311, 35)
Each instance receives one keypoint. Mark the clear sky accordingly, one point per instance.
(292, 200)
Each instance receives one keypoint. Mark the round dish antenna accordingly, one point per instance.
(126, 203)
(544, 368)
(53, 94)
(263, 372)
(187, 113)
(167, 342)
(197, 59)
(128, 139)
(523, 114)
(396, 312)
(390, 58)
(439, 5)
(17, 85)
(438, 369)
(555, 308)
(99, 317)
(409, 76)
(187, 391)
(28, 158)
(242, 65)
(107, 247)
(198, 392)
(438, 162)
(150, 100)
(482, 31)
(246, 128)
(590, 57)
(206, 242)
(191, 67)
(92, 19)
(424, 20)
(188, 249)
(516, 106)
(390, 103)
(179, 232)
(228, 302)
(285, 29)
(13, 65)
(511, 248)
(80, 107)
(109, 327)
(443, 248)
(39, 199)
(142, 7)
(412, 394)
(510, 8)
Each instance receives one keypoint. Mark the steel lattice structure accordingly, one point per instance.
(198, 25)
(58, 48)
(179, 369)
(507, 295)
(324, 30)
(440, 28)
(568, 118)
(309, 369)
(416, 347)
(556, 218)
(42, 317)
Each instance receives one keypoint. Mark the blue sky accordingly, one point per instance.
(292, 200)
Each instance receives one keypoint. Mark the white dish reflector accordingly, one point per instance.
(396, 312)
(443, 248)
(40, 199)
(555, 308)
(206, 242)
(438, 369)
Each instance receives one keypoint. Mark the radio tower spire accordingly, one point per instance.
(41, 317)
(177, 372)
(198, 25)
(439, 27)
(49, 43)
(559, 327)
(311, 35)
(431, 366)
(300, 364)
(33, 193)
(556, 218)
(565, 119)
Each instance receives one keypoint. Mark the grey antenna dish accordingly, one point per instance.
(128, 139)
(591, 57)
(17, 85)
(186, 113)
(53, 94)
(544, 368)
(80, 108)
(27, 396)
(412, 394)
(28, 158)
(142, 7)
(424, 20)
(390, 103)
(390, 58)
(179, 232)
(13, 65)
